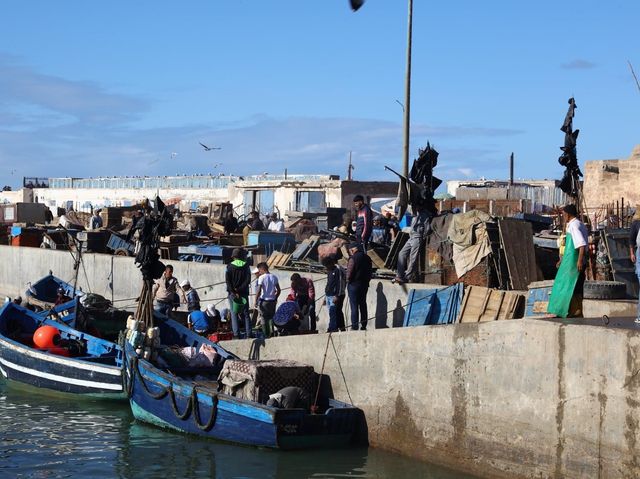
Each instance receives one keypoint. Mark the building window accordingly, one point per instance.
(311, 201)
(262, 201)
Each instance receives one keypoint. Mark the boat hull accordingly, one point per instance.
(56, 373)
(170, 402)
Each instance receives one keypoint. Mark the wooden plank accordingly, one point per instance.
(375, 259)
(392, 258)
(617, 242)
(516, 237)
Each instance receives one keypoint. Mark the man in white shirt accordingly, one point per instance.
(267, 297)
(276, 224)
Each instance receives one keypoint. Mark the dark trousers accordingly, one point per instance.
(358, 301)
(308, 308)
(336, 316)
(267, 312)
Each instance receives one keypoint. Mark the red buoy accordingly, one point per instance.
(46, 337)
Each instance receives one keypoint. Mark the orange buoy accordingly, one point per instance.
(46, 337)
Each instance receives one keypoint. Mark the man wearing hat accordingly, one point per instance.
(193, 299)
(238, 279)
(569, 282)
(359, 272)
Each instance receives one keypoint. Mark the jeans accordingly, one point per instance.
(308, 308)
(244, 314)
(336, 316)
(163, 308)
(267, 311)
(358, 301)
(409, 255)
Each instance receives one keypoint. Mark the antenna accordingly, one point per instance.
(350, 168)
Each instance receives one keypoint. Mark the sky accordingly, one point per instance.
(131, 88)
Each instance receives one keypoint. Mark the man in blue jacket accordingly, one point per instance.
(359, 271)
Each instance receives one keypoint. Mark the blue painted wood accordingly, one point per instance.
(237, 420)
(433, 306)
(537, 295)
(46, 289)
(97, 374)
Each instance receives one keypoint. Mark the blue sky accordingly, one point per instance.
(113, 88)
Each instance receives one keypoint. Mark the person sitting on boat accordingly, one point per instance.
(276, 224)
(204, 322)
(61, 297)
(291, 397)
(193, 299)
(164, 291)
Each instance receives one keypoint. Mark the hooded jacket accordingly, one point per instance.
(238, 277)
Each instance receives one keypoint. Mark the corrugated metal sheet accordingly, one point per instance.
(433, 306)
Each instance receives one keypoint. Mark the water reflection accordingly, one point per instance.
(63, 437)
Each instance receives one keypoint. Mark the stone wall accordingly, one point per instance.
(604, 185)
(520, 398)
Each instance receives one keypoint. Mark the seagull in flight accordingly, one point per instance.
(209, 148)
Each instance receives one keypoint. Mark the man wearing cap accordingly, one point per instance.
(569, 282)
(238, 278)
(359, 272)
(364, 221)
(266, 297)
(193, 299)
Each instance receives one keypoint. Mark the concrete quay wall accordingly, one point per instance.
(520, 398)
(117, 277)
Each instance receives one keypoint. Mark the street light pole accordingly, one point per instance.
(407, 95)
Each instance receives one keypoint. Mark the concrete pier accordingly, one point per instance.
(517, 398)
(521, 398)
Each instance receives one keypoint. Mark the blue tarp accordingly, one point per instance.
(433, 306)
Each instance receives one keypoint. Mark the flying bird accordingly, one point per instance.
(209, 148)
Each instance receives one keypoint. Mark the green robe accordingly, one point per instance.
(565, 282)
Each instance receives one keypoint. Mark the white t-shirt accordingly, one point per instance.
(277, 226)
(578, 232)
(268, 282)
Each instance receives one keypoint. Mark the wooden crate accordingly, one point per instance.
(483, 304)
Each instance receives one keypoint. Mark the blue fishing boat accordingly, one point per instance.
(190, 400)
(79, 363)
(44, 292)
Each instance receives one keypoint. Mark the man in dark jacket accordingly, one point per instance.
(334, 292)
(359, 272)
(238, 278)
(364, 221)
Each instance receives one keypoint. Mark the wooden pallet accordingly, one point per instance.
(278, 259)
(483, 304)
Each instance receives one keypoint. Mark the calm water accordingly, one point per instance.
(49, 436)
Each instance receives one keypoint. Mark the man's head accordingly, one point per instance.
(358, 201)
(274, 217)
(185, 285)
(263, 268)
(329, 262)
(253, 215)
(353, 248)
(168, 271)
(17, 300)
(295, 279)
(569, 212)
(237, 253)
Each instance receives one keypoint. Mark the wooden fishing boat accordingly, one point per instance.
(44, 292)
(190, 400)
(81, 364)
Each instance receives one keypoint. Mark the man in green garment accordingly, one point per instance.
(569, 282)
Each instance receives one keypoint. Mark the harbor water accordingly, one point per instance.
(49, 436)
